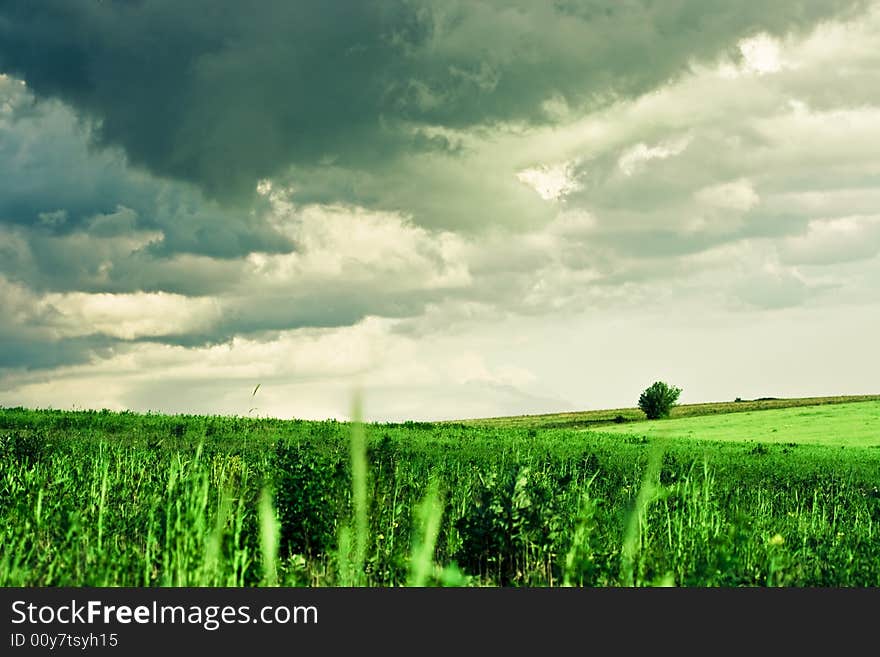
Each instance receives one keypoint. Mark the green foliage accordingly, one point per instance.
(658, 399)
(516, 517)
(581, 567)
(310, 488)
(26, 446)
(117, 500)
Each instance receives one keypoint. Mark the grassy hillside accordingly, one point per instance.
(852, 424)
(588, 419)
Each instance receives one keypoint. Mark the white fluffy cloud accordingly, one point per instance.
(351, 243)
(761, 55)
(130, 316)
(637, 156)
(833, 241)
(551, 182)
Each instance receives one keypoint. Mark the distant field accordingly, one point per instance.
(715, 499)
(854, 425)
(586, 419)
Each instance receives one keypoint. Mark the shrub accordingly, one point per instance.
(658, 399)
(515, 518)
(25, 447)
(310, 485)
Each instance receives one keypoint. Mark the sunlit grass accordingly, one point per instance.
(605, 417)
(856, 424)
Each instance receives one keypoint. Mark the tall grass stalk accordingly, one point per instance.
(428, 516)
(579, 554)
(358, 450)
(269, 539)
(634, 524)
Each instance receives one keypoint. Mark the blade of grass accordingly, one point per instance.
(269, 535)
(635, 519)
(428, 515)
(359, 490)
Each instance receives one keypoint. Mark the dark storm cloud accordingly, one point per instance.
(23, 352)
(223, 93)
(64, 205)
(83, 262)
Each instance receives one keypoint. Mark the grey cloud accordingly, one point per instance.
(53, 183)
(462, 193)
(30, 353)
(335, 306)
(833, 242)
(222, 94)
(188, 109)
(773, 290)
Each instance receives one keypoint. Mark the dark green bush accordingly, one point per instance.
(310, 484)
(658, 399)
(27, 446)
(516, 517)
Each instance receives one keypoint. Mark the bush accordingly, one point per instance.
(310, 485)
(25, 447)
(515, 518)
(658, 399)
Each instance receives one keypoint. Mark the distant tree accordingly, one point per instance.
(658, 399)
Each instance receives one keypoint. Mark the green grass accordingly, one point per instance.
(853, 424)
(590, 419)
(124, 499)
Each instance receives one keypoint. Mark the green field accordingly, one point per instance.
(126, 499)
(853, 425)
(605, 417)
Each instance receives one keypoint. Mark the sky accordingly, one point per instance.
(454, 209)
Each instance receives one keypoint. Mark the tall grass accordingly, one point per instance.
(429, 513)
(156, 501)
(635, 529)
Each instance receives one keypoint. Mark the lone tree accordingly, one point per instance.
(658, 399)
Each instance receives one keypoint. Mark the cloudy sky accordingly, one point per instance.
(462, 209)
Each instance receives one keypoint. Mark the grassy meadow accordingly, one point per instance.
(590, 419)
(852, 425)
(766, 493)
